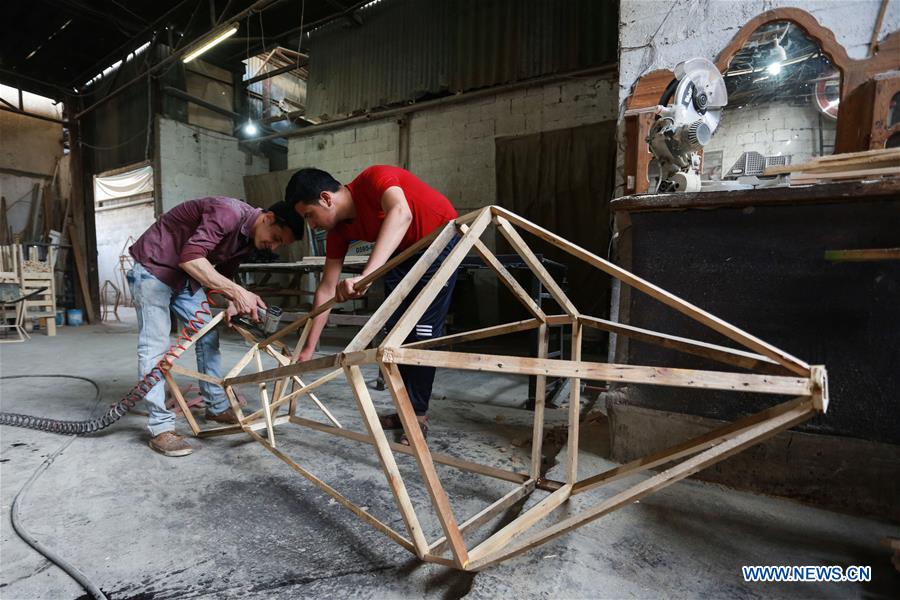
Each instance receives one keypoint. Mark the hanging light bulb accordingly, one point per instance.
(250, 128)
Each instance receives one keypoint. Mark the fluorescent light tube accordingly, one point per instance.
(210, 42)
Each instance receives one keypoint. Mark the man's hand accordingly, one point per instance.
(345, 290)
(247, 302)
(230, 311)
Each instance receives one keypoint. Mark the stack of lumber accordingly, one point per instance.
(871, 164)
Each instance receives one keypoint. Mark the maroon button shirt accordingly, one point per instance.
(215, 228)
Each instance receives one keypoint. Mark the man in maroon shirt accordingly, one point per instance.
(393, 208)
(198, 243)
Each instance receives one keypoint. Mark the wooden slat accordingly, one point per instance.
(522, 249)
(388, 464)
(746, 438)
(362, 514)
(507, 279)
(317, 364)
(430, 290)
(574, 410)
(477, 334)
(792, 363)
(182, 404)
(540, 399)
(692, 446)
(176, 368)
(486, 514)
(387, 308)
(863, 255)
(441, 503)
(723, 354)
(691, 378)
(362, 283)
(521, 524)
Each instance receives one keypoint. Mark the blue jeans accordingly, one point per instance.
(152, 301)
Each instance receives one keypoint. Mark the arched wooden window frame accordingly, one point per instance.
(854, 73)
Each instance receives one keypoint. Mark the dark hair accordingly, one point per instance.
(306, 185)
(285, 216)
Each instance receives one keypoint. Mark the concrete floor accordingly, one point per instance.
(232, 521)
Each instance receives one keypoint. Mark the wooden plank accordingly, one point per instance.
(388, 464)
(507, 279)
(574, 410)
(863, 255)
(487, 514)
(792, 363)
(182, 404)
(691, 378)
(81, 269)
(342, 500)
(375, 324)
(237, 428)
(723, 354)
(306, 389)
(749, 437)
(430, 290)
(807, 176)
(441, 503)
(317, 364)
(519, 245)
(521, 524)
(374, 275)
(540, 399)
(477, 334)
(264, 399)
(231, 377)
(691, 446)
(176, 368)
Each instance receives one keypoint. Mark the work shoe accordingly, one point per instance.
(391, 421)
(169, 443)
(227, 416)
(423, 425)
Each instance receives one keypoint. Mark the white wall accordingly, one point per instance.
(656, 35)
(195, 162)
(772, 129)
(452, 147)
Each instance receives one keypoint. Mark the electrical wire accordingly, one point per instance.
(19, 498)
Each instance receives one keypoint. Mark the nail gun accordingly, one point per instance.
(269, 320)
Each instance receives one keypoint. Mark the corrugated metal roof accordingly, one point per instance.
(413, 49)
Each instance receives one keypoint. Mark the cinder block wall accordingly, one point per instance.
(195, 162)
(452, 147)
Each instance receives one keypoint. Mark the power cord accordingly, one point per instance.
(20, 530)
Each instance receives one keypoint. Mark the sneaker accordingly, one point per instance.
(423, 425)
(227, 416)
(169, 443)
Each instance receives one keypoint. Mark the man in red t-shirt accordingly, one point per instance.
(393, 208)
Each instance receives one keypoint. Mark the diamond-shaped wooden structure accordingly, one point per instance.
(765, 369)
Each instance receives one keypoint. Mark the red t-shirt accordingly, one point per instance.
(430, 209)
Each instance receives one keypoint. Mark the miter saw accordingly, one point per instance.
(682, 129)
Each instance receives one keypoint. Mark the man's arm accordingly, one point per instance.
(245, 302)
(331, 275)
(397, 218)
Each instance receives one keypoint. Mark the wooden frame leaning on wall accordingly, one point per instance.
(763, 369)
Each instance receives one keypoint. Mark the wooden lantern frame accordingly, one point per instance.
(771, 371)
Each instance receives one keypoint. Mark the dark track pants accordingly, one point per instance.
(419, 380)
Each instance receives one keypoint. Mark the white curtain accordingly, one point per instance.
(123, 185)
